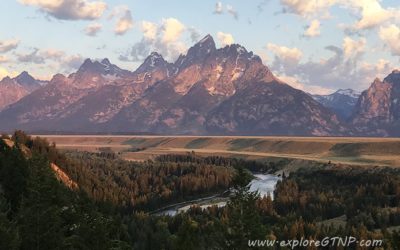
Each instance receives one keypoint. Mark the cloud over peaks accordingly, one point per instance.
(289, 57)
(345, 68)
(225, 39)
(171, 29)
(164, 37)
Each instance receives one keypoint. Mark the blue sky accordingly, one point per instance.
(317, 46)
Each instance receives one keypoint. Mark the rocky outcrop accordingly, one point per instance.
(377, 112)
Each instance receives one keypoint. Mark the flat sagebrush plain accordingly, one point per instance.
(346, 150)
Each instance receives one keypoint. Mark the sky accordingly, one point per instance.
(318, 46)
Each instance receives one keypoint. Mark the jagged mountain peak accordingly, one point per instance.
(103, 67)
(378, 110)
(236, 50)
(155, 54)
(94, 65)
(205, 45)
(197, 53)
(24, 74)
(207, 40)
(86, 63)
(6, 79)
(153, 61)
(237, 47)
(106, 61)
(25, 79)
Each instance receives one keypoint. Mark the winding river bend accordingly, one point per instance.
(263, 183)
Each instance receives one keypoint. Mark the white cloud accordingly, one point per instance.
(149, 30)
(172, 29)
(390, 35)
(345, 68)
(164, 37)
(124, 21)
(369, 13)
(218, 8)
(381, 69)
(313, 29)
(308, 8)
(372, 13)
(71, 62)
(58, 59)
(92, 29)
(225, 39)
(32, 57)
(8, 45)
(290, 56)
(353, 48)
(69, 9)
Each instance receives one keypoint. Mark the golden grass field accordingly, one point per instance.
(341, 150)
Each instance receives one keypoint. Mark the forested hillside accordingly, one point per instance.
(38, 212)
(108, 209)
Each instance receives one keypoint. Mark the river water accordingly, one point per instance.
(263, 183)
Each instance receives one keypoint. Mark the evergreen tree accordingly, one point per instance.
(244, 221)
(9, 238)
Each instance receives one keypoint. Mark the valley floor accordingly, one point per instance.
(338, 150)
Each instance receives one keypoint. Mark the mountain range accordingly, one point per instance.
(207, 91)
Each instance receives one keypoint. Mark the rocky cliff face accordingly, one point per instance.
(378, 109)
(206, 91)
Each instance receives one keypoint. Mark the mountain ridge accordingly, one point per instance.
(208, 90)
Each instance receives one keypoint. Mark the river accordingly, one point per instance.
(263, 183)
